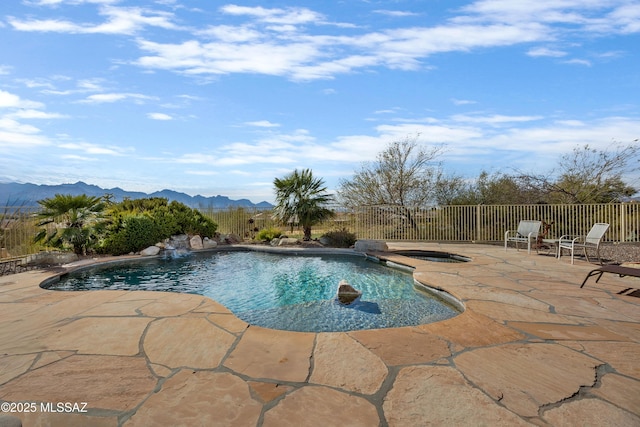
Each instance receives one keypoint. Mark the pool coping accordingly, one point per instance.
(530, 348)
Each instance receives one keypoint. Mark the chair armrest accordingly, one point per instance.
(569, 238)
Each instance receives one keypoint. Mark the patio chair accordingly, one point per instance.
(527, 232)
(590, 241)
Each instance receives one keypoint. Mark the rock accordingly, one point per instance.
(288, 241)
(150, 251)
(371, 246)
(325, 241)
(347, 293)
(275, 242)
(196, 242)
(230, 238)
(52, 258)
(208, 243)
(180, 241)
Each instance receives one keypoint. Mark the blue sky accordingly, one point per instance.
(209, 97)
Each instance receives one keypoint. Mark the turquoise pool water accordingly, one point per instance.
(278, 291)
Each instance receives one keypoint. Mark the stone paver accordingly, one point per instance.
(590, 413)
(199, 398)
(532, 348)
(342, 362)
(440, 396)
(279, 355)
(105, 382)
(322, 407)
(524, 377)
(189, 342)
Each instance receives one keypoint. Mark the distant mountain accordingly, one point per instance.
(14, 194)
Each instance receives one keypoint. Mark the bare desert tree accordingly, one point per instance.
(403, 174)
(588, 175)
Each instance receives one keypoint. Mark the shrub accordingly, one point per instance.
(136, 233)
(137, 224)
(268, 234)
(342, 238)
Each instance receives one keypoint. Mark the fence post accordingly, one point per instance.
(478, 223)
(623, 221)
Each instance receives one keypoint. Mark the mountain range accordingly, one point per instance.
(27, 195)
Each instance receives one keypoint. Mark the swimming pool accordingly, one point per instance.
(287, 292)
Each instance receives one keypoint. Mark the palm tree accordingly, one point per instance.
(78, 221)
(302, 198)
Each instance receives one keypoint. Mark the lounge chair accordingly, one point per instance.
(613, 269)
(527, 232)
(590, 241)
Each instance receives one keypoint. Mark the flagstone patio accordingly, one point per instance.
(531, 348)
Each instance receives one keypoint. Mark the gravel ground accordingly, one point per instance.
(618, 253)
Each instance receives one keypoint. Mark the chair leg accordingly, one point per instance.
(586, 255)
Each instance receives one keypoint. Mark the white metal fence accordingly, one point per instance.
(477, 223)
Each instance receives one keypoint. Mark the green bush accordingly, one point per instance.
(268, 234)
(137, 224)
(136, 233)
(342, 238)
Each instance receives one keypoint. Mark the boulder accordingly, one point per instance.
(150, 251)
(347, 293)
(288, 241)
(196, 242)
(180, 241)
(325, 241)
(230, 239)
(371, 246)
(207, 243)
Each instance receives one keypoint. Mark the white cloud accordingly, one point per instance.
(231, 34)
(8, 99)
(119, 20)
(89, 148)
(493, 120)
(115, 97)
(456, 101)
(262, 124)
(395, 13)
(543, 51)
(35, 114)
(288, 16)
(159, 116)
(576, 61)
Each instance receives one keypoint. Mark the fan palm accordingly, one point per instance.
(78, 220)
(302, 198)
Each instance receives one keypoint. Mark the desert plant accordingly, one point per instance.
(136, 224)
(268, 234)
(78, 220)
(342, 238)
(135, 233)
(302, 199)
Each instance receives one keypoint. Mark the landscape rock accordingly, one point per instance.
(288, 241)
(371, 246)
(325, 241)
(196, 242)
(150, 251)
(347, 293)
(180, 241)
(208, 243)
(230, 238)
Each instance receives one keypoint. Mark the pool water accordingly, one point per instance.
(296, 293)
